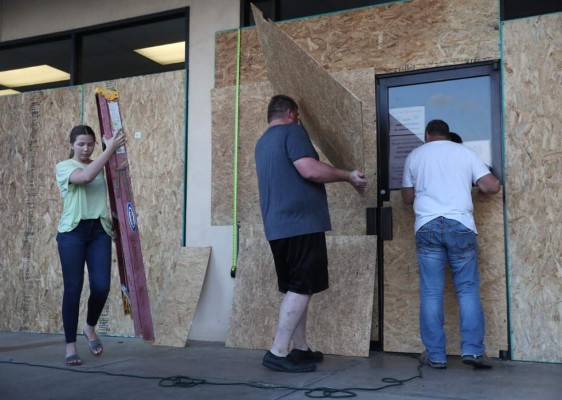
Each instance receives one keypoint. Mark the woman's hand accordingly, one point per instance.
(115, 141)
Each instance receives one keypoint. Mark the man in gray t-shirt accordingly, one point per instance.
(295, 215)
(290, 205)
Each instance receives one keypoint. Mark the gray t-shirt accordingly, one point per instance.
(290, 205)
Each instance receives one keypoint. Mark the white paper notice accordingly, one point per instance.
(407, 129)
(115, 116)
(116, 124)
(407, 120)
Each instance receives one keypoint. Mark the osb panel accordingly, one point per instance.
(346, 205)
(34, 134)
(392, 37)
(330, 113)
(59, 111)
(14, 139)
(252, 123)
(339, 319)
(152, 111)
(532, 81)
(181, 295)
(401, 280)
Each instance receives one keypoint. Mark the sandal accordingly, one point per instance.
(96, 348)
(73, 360)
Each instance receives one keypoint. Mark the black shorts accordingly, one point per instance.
(301, 263)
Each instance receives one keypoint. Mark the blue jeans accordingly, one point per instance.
(88, 244)
(437, 241)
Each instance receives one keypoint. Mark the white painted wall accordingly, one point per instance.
(27, 18)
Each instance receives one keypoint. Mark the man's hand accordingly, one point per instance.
(358, 180)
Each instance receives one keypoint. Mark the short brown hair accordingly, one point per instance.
(437, 127)
(278, 105)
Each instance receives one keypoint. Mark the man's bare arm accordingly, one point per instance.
(489, 184)
(318, 171)
(408, 195)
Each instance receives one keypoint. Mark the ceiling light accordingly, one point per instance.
(6, 92)
(165, 54)
(32, 76)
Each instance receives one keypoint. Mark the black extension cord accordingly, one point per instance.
(188, 382)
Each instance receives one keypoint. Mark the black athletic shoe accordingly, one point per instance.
(479, 362)
(424, 359)
(285, 364)
(306, 355)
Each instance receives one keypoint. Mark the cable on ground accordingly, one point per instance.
(180, 381)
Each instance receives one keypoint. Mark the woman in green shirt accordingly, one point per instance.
(84, 235)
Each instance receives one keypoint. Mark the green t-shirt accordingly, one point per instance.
(88, 201)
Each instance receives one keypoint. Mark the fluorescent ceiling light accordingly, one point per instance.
(6, 92)
(32, 76)
(165, 54)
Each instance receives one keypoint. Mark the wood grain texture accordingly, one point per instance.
(532, 63)
(180, 297)
(330, 113)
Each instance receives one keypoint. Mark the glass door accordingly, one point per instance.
(467, 97)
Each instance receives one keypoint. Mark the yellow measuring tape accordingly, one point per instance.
(235, 172)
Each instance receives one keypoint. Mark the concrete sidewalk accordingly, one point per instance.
(32, 367)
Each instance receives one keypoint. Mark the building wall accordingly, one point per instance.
(523, 270)
(462, 31)
(353, 46)
(26, 18)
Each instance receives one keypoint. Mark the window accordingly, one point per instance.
(280, 10)
(20, 62)
(109, 52)
(103, 52)
(466, 97)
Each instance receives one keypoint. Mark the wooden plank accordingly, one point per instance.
(181, 295)
(532, 58)
(331, 114)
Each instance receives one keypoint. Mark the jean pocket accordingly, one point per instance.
(425, 240)
(465, 240)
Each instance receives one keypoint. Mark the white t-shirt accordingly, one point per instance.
(442, 173)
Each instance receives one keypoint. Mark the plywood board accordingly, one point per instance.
(330, 113)
(35, 138)
(532, 63)
(339, 319)
(401, 280)
(180, 296)
(14, 139)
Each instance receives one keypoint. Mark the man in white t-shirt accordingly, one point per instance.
(437, 180)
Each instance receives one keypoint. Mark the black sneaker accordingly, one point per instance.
(479, 362)
(306, 355)
(285, 364)
(424, 359)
